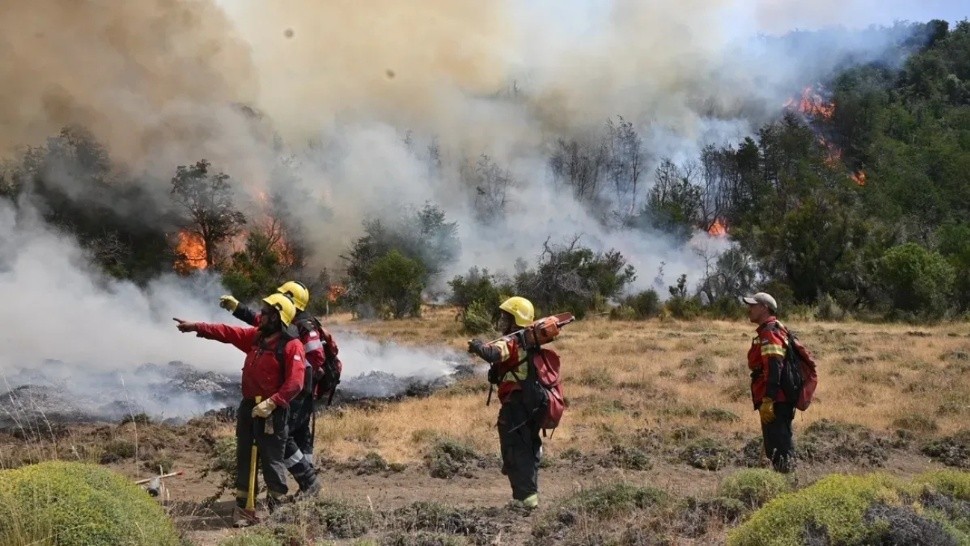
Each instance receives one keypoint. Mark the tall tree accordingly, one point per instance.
(207, 199)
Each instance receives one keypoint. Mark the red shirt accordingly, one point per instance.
(765, 359)
(262, 373)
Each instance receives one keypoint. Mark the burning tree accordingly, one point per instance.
(207, 198)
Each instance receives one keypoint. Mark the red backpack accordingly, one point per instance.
(546, 364)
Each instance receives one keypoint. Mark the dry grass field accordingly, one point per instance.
(656, 404)
(622, 378)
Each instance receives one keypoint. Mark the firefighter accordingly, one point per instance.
(518, 430)
(264, 423)
(765, 360)
(299, 448)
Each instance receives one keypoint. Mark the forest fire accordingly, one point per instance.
(717, 229)
(190, 252)
(335, 291)
(859, 177)
(812, 104)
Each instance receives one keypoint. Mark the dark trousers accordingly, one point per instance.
(269, 446)
(300, 443)
(518, 436)
(301, 412)
(779, 438)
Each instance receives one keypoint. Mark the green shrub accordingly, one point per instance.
(706, 454)
(917, 280)
(952, 483)
(448, 458)
(628, 457)
(70, 504)
(754, 486)
(477, 318)
(320, 517)
(952, 450)
(856, 511)
(394, 285)
(719, 415)
(644, 304)
(611, 500)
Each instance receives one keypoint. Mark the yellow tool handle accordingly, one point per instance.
(251, 497)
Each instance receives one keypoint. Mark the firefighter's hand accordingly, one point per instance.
(264, 408)
(493, 375)
(228, 303)
(767, 411)
(476, 346)
(185, 326)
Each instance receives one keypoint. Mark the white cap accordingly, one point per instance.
(763, 298)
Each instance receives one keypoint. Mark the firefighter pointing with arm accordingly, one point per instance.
(299, 449)
(518, 430)
(766, 360)
(275, 383)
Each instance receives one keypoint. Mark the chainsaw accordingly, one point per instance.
(541, 331)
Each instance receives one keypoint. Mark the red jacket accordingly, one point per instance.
(765, 360)
(261, 373)
(312, 346)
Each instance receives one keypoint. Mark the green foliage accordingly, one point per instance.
(321, 517)
(754, 486)
(574, 278)
(477, 296)
(918, 280)
(394, 285)
(951, 450)
(422, 243)
(706, 454)
(854, 510)
(612, 500)
(681, 305)
(78, 504)
(644, 305)
(448, 458)
(257, 269)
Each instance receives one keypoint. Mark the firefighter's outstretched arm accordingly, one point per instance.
(487, 351)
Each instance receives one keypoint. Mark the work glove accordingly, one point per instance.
(767, 411)
(264, 408)
(228, 303)
(185, 326)
(476, 346)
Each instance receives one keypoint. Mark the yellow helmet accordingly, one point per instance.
(297, 292)
(282, 304)
(521, 310)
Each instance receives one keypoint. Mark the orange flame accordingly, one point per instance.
(335, 291)
(717, 229)
(190, 252)
(859, 177)
(833, 155)
(812, 104)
